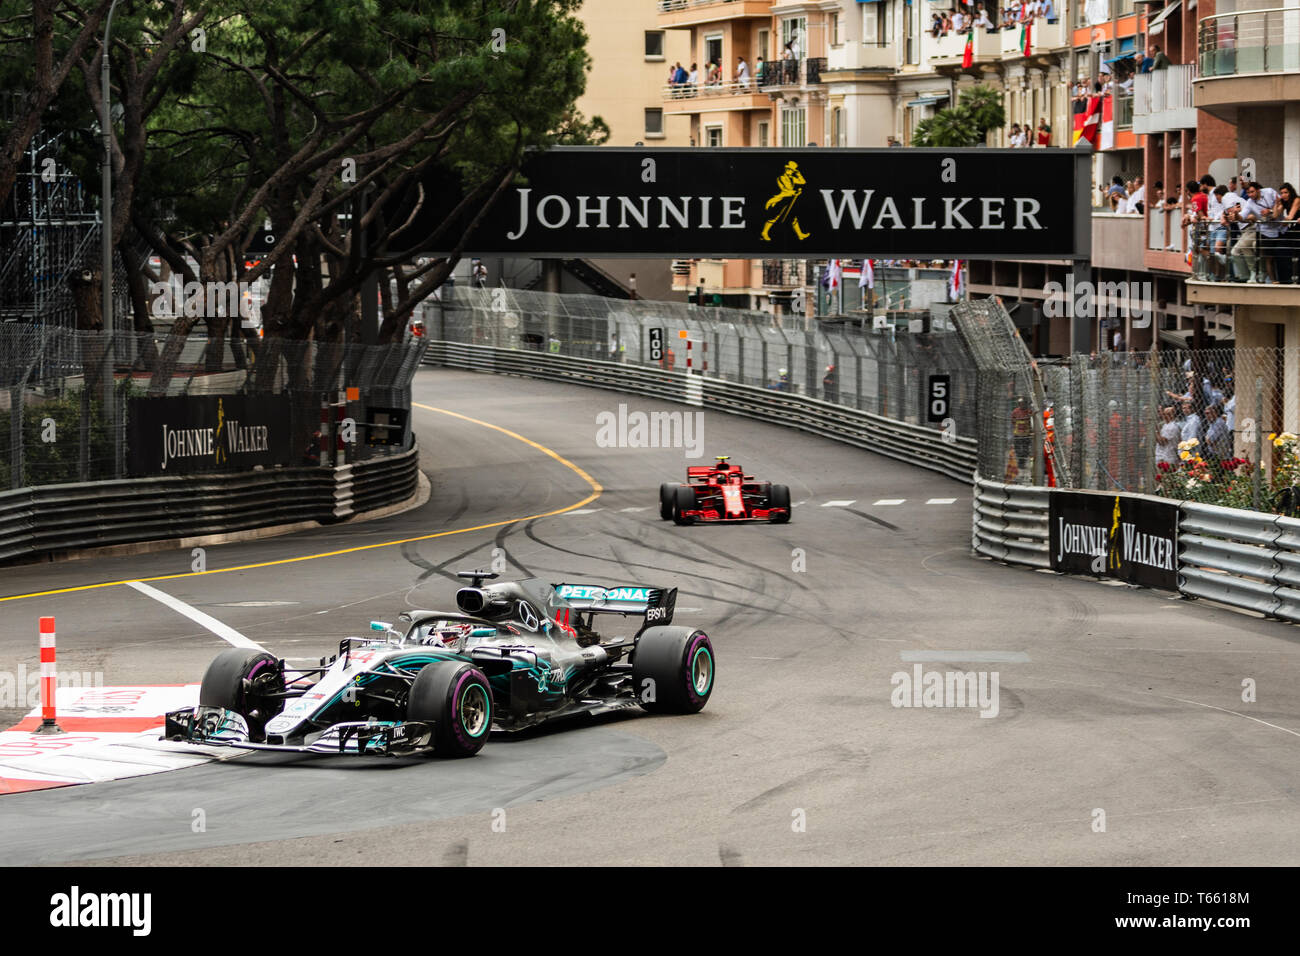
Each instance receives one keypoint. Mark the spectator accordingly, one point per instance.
(1285, 215)
(892, 141)
(1137, 196)
(1251, 214)
(1190, 428)
(1044, 132)
(959, 21)
(1115, 191)
(831, 384)
(936, 25)
(1230, 404)
(1220, 229)
(760, 76)
(1218, 438)
(1167, 438)
(1158, 59)
(742, 73)
(693, 79)
(1049, 11)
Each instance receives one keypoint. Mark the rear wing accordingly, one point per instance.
(655, 604)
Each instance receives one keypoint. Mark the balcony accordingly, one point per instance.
(778, 74)
(1248, 57)
(683, 13)
(729, 95)
(949, 50)
(1162, 100)
(867, 55)
(787, 273)
(1043, 38)
(1116, 241)
(1270, 276)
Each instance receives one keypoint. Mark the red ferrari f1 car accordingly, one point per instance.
(723, 492)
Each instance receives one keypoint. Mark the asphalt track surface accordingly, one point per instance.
(1112, 699)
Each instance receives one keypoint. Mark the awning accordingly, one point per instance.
(928, 100)
(1157, 25)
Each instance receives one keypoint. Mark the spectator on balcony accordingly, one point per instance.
(1049, 11)
(742, 73)
(1137, 197)
(1286, 214)
(936, 25)
(982, 19)
(959, 21)
(1158, 59)
(714, 74)
(1220, 229)
(760, 72)
(1270, 231)
(1115, 192)
(1256, 209)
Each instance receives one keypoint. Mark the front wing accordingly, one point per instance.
(215, 726)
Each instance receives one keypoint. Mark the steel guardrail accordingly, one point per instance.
(49, 520)
(918, 445)
(1244, 559)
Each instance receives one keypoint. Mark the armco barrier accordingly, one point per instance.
(1010, 523)
(52, 519)
(1243, 559)
(914, 444)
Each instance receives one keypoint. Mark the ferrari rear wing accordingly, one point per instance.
(655, 604)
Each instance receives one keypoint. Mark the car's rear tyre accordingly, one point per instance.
(240, 679)
(684, 500)
(673, 670)
(780, 498)
(667, 498)
(456, 698)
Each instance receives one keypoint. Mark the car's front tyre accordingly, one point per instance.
(780, 498)
(456, 699)
(667, 498)
(683, 502)
(243, 680)
(673, 670)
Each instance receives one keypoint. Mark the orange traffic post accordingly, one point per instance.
(48, 679)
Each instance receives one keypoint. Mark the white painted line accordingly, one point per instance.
(889, 501)
(941, 501)
(626, 510)
(581, 511)
(964, 657)
(223, 631)
(839, 503)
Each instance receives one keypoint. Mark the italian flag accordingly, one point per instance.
(968, 55)
(1025, 29)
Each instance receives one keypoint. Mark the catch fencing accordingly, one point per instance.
(55, 426)
(840, 361)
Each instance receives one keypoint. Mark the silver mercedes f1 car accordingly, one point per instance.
(513, 655)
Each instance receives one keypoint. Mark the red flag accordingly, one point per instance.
(968, 55)
(1086, 123)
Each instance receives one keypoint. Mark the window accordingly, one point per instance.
(793, 128)
(836, 39)
(839, 136)
(654, 45)
(875, 23)
(713, 50)
(793, 31)
(713, 136)
(762, 133)
(764, 44)
(911, 29)
(654, 122)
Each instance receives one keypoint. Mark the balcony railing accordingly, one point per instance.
(813, 68)
(686, 91)
(781, 73)
(1123, 111)
(1162, 100)
(787, 273)
(1254, 41)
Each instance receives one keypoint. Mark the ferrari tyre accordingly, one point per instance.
(673, 670)
(456, 699)
(684, 500)
(780, 498)
(667, 499)
(240, 680)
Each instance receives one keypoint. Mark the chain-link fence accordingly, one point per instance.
(55, 425)
(1203, 425)
(839, 361)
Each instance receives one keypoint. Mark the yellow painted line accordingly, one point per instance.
(596, 491)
